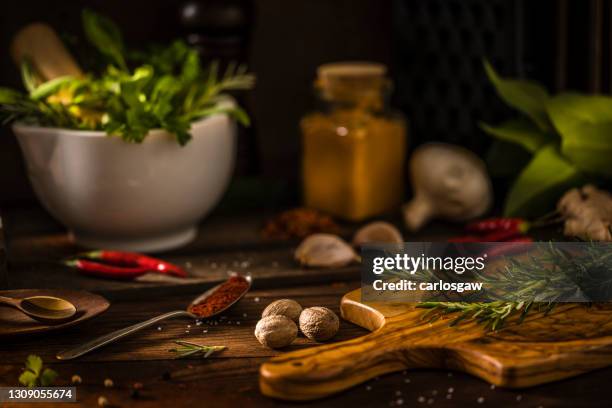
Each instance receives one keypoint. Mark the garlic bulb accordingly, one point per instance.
(449, 182)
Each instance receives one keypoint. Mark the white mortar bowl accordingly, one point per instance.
(136, 197)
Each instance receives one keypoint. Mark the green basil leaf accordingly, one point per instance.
(521, 132)
(538, 187)
(527, 97)
(105, 36)
(29, 77)
(585, 125)
(50, 87)
(9, 96)
(191, 67)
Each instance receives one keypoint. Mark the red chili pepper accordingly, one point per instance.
(106, 271)
(511, 247)
(516, 225)
(133, 259)
(465, 238)
(497, 236)
(500, 236)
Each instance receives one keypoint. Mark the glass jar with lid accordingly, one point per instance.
(354, 146)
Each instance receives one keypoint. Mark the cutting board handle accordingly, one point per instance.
(321, 371)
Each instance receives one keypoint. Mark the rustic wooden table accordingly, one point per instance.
(229, 378)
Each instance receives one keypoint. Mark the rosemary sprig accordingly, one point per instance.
(540, 281)
(187, 349)
(491, 314)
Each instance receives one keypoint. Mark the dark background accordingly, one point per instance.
(434, 49)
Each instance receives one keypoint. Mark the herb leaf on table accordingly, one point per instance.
(187, 349)
(35, 375)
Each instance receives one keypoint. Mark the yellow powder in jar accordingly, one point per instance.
(353, 162)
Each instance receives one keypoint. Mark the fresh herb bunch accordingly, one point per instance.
(566, 138)
(135, 92)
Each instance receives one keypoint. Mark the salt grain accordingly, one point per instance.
(159, 328)
(519, 397)
(430, 401)
(492, 386)
(256, 300)
(450, 374)
(421, 399)
(434, 392)
(368, 387)
(407, 380)
(450, 390)
(398, 393)
(399, 401)
(480, 400)
(244, 315)
(449, 396)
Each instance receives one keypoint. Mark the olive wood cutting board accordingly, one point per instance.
(13, 322)
(569, 340)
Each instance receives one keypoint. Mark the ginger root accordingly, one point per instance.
(588, 213)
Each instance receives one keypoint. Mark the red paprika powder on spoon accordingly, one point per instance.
(222, 297)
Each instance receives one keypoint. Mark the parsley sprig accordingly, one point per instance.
(35, 375)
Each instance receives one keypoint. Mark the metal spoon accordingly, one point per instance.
(45, 309)
(118, 334)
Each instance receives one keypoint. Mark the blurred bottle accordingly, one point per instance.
(354, 146)
(221, 31)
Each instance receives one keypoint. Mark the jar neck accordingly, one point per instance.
(371, 98)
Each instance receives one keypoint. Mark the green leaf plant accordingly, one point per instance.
(569, 138)
(163, 87)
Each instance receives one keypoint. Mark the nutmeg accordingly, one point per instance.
(284, 307)
(276, 331)
(319, 323)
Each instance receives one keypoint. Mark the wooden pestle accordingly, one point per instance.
(42, 45)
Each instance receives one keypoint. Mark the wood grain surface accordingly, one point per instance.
(570, 340)
(230, 378)
(234, 329)
(14, 323)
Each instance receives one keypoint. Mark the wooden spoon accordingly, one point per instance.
(45, 309)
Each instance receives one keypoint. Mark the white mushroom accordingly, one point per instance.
(449, 182)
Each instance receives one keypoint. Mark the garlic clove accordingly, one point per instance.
(325, 250)
(378, 231)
